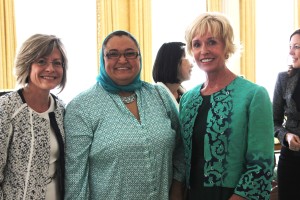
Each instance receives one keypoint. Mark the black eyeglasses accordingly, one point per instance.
(43, 63)
(128, 54)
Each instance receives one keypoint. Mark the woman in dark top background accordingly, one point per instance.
(286, 112)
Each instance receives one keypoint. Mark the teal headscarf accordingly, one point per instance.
(107, 83)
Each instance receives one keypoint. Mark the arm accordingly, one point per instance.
(286, 138)
(255, 182)
(78, 140)
(278, 111)
(177, 187)
(5, 134)
(236, 197)
(177, 190)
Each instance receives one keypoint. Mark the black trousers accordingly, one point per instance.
(288, 174)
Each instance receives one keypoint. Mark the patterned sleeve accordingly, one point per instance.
(79, 136)
(5, 134)
(178, 156)
(255, 182)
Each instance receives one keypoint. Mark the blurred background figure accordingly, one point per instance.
(286, 113)
(171, 68)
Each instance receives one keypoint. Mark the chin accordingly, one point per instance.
(296, 66)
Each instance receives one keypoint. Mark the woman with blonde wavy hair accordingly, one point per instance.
(227, 126)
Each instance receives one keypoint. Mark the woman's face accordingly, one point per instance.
(295, 50)
(185, 69)
(121, 70)
(208, 52)
(46, 72)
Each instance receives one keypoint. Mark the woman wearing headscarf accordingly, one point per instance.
(123, 133)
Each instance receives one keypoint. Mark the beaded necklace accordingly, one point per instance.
(128, 99)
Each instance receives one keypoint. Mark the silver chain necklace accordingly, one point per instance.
(128, 99)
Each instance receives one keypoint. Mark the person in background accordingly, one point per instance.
(122, 134)
(286, 113)
(227, 124)
(31, 123)
(171, 68)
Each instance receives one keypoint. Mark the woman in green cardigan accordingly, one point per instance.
(227, 125)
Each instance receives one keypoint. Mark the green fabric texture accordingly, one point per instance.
(239, 141)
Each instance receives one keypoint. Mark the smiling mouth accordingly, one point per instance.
(206, 60)
(48, 77)
(122, 68)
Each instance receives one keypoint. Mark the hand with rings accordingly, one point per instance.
(293, 141)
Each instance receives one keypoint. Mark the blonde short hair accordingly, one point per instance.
(214, 23)
(35, 47)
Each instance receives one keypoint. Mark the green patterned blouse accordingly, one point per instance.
(239, 141)
(111, 155)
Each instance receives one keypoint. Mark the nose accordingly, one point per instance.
(50, 66)
(122, 59)
(204, 49)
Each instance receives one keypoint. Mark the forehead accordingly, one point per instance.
(295, 38)
(203, 36)
(54, 53)
(120, 43)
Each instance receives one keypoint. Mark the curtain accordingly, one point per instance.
(248, 39)
(214, 5)
(133, 16)
(297, 14)
(7, 44)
